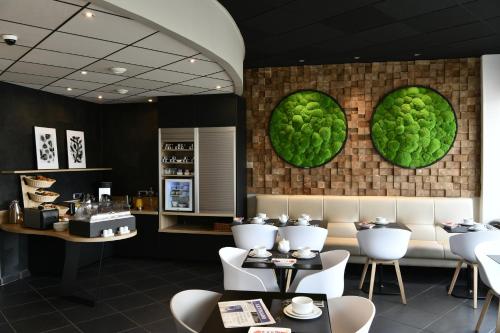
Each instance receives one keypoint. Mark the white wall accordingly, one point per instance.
(490, 145)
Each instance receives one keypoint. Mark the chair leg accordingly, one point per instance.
(400, 282)
(455, 276)
(497, 330)
(486, 305)
(289, 278)
(474, 288)
(363, 275)
(372, 280)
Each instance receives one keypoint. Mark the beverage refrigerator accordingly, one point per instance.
(179, 195)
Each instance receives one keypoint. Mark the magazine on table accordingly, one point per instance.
(245, 313)
(269, 330)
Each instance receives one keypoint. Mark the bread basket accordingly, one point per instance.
(42, 198)
(39, 183)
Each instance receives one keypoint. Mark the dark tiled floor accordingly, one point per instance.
(135, 297)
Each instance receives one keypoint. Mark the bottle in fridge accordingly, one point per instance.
(179, 195)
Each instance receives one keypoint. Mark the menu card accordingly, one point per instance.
(269, 330)
(245, 313)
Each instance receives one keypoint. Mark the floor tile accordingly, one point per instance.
(18, 312)
(112, 291)
(5, 328)
(109, 324)
(40, 323)
(19, 298)
(146, 283)
(84, 313)
(162, 326)
(130, 301)
(148, 314)
(410, 316)
(164, 292)
(385, 325)
(65, 329)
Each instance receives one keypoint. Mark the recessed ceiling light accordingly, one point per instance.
(89, 14)
(357, 57)
(84, 72)
(69, 89)
(150, 100)
(122, 91)
(118, 70)
(301, 60)
(417, 54)
(192, 61)
(100, 96)
(218, 87)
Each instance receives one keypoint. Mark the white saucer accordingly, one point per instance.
(295, 254)
(381, 222)
(303, 225)
(253, 255)
(255, 222)
(467, 224)
(314, 314)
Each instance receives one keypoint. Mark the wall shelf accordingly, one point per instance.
(193, 229)
(6, 172)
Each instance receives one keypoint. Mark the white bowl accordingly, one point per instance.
(61, 226)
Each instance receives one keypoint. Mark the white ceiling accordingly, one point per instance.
(57, 42)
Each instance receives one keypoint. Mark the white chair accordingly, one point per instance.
(329, 281)
(383, 246)
(351, 314)
(248, 236)
(191, 309)
(238, 278)
(489, 271)
(463, 245)
(301, 236)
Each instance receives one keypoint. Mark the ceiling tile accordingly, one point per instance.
(138, 56)
(360, 19)
(56, 58)
(105, 95)
(38, 69)
(213, 92)
(199, 67)
(182, 89)
(202, 57)
(75, 2)
(141, 83)
(434, 21)
(27, 85)
(25, 78)
(73, 44)
(206, 82)
(4, 63)
(156, 93)
(484, 8)
(164, 43)
(106, 26)
(96, 77)
(40, 13)
(84, 85)
(113, 89)
(27, 36)
(103, 66)
(402, 9)
(12, 52)
(64, 91)
(133, 99)
(221, 75)
(166, 76)
(102, 9)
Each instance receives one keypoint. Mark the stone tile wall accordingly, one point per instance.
(359, 169)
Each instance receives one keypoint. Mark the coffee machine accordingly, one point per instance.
(104, 192)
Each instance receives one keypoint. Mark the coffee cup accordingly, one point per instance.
(302, 305)
(380, 219)
(283, 218)
(304, 252)
(468, 221)
(302, 221)
(260, 251)
(262, 215)
(306, 217)
(257, 220)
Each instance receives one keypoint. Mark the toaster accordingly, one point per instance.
(40, 218)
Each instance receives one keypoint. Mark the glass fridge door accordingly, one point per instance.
(179, 195)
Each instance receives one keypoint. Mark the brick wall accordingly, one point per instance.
(359, 169)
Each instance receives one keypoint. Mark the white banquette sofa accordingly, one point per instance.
(428, 246)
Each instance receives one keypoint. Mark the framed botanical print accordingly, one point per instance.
(46, 148)
(76, 149)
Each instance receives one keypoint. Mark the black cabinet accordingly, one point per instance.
(145, 244)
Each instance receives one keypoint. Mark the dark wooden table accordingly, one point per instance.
(390, 225)
(266, 263)
(275, 302)
(495, 257)
(277, 223)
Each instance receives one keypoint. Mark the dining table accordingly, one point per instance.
(275, 303)
(290, 222)
(495, 257)
(313, 264)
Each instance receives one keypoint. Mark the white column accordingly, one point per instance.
(490, 138)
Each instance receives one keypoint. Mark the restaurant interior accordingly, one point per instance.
(230, 166)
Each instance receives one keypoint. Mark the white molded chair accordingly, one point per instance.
(329, 281)
(191, 309)
(383, 246)
(489, 271)
(463, 245)
(302, 236)
(238, 278)
(351, 314)
(248, 236)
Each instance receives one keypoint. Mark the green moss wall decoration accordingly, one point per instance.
(413, 127)
(308, 128)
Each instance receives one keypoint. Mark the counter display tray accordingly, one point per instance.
(94, 229)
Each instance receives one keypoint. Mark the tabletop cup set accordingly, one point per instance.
(302, 307)
(262, 218)
(469, 223)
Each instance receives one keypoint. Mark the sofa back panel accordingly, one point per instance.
(342, 230)
(305, 204)
(452, 209)
(441, 234)
(422, 232)
(371, 207)
(415, 211)
(341, 209)
(272, 205)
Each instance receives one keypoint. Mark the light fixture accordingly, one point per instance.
(122, 91)
(150, 100)
(118, 70)
(100, 96)
(417, 54)
(83, 72)
(192, 61)
(218, 87)
(357, 57)
(69, 89)
(89, 14)
(301, 60)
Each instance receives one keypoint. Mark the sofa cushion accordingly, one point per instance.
(447, 252)
(341, 209)
(272, 205)
(340, 243)
(339, 229)
(415, 211)
(306, 204)
(371, 207)
(425, 249)
(422, 232)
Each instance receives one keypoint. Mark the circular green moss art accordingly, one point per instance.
(308, 128)
(413, 127)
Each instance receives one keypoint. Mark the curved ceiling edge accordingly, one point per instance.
(203, 25)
